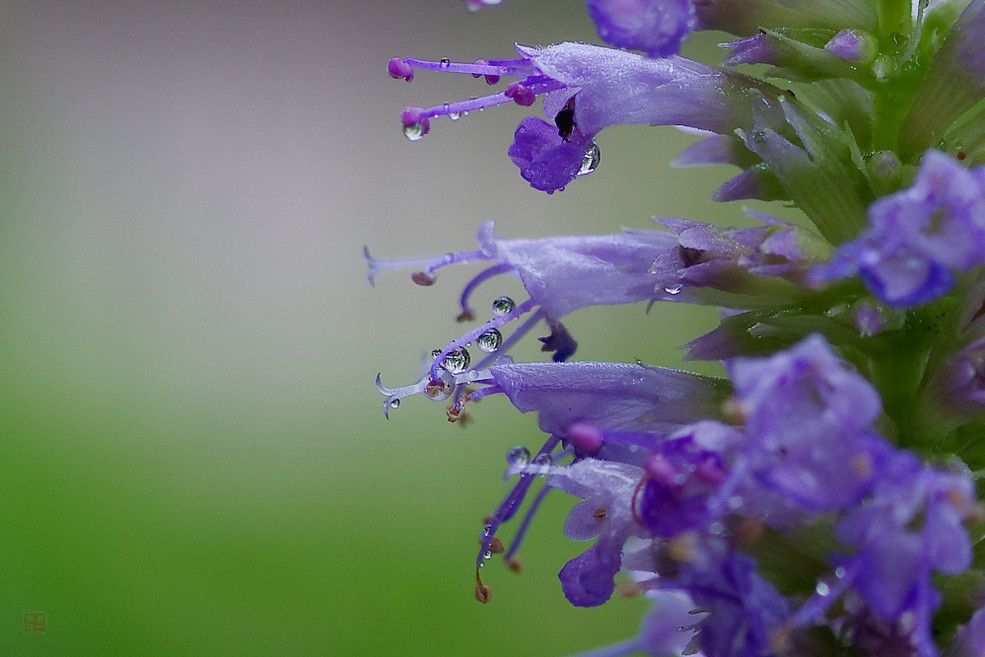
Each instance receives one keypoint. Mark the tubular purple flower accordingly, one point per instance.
(736, 267)
(744, 610)
(605, 511)
(614, 396)
(588, 88)
(657, 27)
(561, 274)
(910, 528)
(810, 418)
(919, 237)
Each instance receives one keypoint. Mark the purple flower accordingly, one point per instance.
(667, 629)
(920, 237)
(588, 88)
(736, 267)
(657, 27)
(605, 511)
(560, 274)
(613, 396)
(910, 528)
(744, 610)
(810, 418)
(682, 477)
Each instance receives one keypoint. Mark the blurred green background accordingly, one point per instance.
(193, 459)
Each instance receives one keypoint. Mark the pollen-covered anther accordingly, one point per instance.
(423, 278)
(496, 546)
(735, 411)
(482, 592)
(974, 514)
(781, 640)
(628, 589)
(515, 564)
(465, 316)
(456, 412)
(681, 547)
(399, 69)
(520, 94)
(861, 466)
(749, 531)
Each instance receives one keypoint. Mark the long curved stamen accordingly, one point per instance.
(461, 342)
(508, 507)
(522, 93)
(521, 531)
(508, 343)
(477, 280)
(426, 265)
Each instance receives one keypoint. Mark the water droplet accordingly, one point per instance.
(518, 455)
(489, 341)
(542, 459)
(395, 403)
(445, 62)
(454, 116)
(487, 554)
(441, 389)
(674, 289)
(414, 132)
(822, 589)
(839, 572)
(591, 160)
(502, 305)
(455, 361)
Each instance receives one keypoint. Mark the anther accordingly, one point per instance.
(520, 94)
(423, 278)
(490, 78)
(398, 68)
(482, 592)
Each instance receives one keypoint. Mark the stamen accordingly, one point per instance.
(525, 524)
(482, 592)
(398, 68)
(423, 266)
(507, 508)
(472, 335)
(508, 343)
(477, 280)
(514, 68)
(490, 78)
(520, 94)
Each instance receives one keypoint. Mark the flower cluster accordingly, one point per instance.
(821, 496)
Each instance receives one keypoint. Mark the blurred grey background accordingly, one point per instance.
(193, 458)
